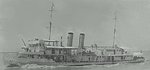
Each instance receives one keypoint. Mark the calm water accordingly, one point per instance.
(125, 66)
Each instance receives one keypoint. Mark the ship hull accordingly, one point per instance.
(20, 63)
(63, 63)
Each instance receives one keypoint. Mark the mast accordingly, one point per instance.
(23, 42)
(51, 16)
(115, 24)
(61, 43)
(50, 24)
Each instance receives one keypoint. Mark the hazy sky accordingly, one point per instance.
(28, 19)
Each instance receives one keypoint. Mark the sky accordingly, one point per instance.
(29, 19)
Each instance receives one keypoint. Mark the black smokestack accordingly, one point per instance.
(81, 40)
(70, 39)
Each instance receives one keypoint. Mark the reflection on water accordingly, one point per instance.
(119, 66)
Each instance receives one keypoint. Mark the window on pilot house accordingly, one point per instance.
(53, 51)
(40, 44)
(60, 51)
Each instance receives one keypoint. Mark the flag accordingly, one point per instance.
(52, 9)
(53, 6)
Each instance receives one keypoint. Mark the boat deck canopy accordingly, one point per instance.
(59, 47)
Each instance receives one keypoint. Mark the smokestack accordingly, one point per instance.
(81, 40)
(70, 39)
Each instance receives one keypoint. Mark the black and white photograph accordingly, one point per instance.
(74, 34)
